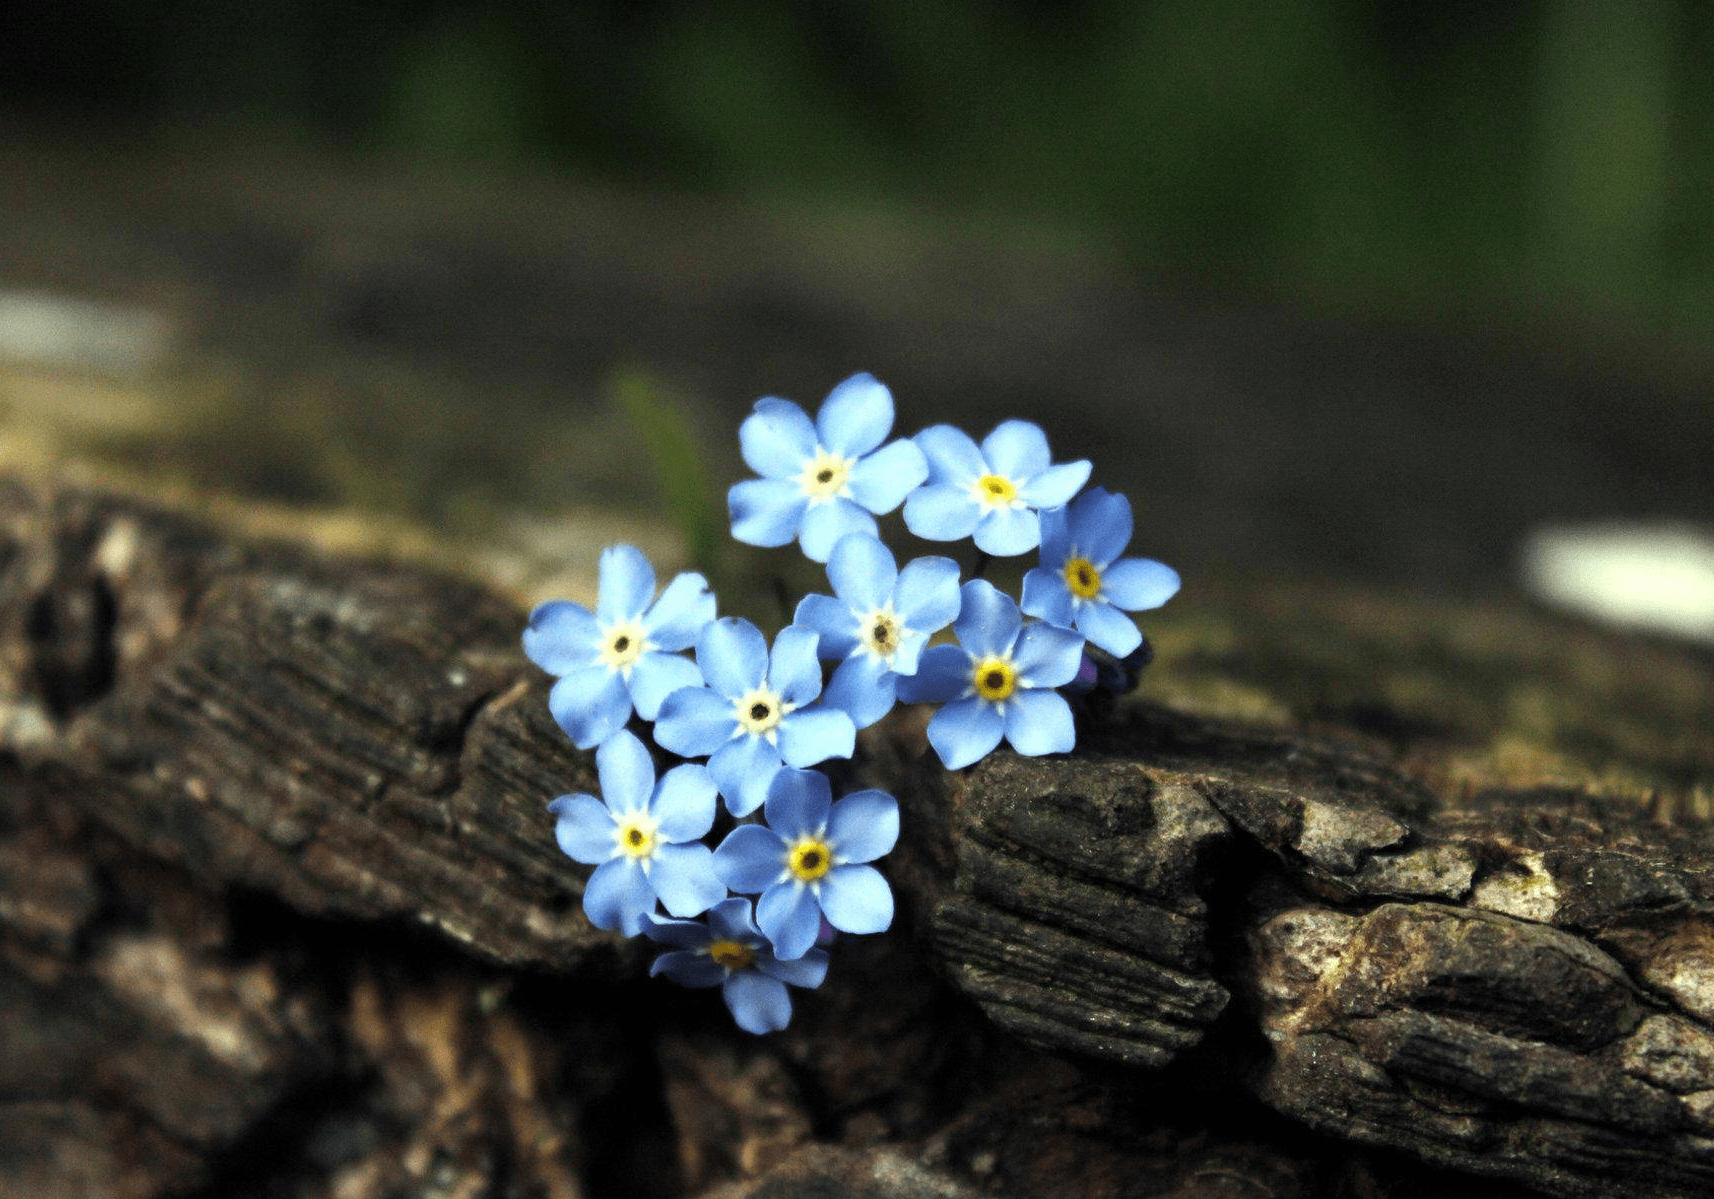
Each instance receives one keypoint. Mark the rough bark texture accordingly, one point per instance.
(1366, 883)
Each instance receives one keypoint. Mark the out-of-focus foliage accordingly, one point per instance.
(1555, 156)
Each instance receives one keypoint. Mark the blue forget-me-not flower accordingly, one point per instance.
(880, 622)
(997, 682)
(823, 480)
(755, 711)
(729, 952)
(637, 832)
(810, 860)
(992, 491)
(621, 655)
(1082, 582)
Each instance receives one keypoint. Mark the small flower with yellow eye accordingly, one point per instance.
(1082, 581)
(994, 491)
(729, 952)
(877, 622)
(642, 838)
(811, 860)
(998, 682)
(622, 656)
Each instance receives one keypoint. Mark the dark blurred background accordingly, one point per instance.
(1362, 289)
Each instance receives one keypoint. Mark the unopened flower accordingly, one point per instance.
(823, 480)
(729, 952)
(1082, 582)
(879, 623)
(993, 491)
(756, 711)
(638, 833)
(622, 655)
(997, 682)
(810, 861)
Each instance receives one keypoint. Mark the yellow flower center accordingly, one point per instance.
(809, 859)
(824, 476)
(995, 679)
(622, 645)
(734, 955)
(1082, 577)
(881, 632)
(994, 491)
(759, 711)
(636, 836)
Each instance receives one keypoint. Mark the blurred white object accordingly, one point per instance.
(1655, 576)
(44, 329)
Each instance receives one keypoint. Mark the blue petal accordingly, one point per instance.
(683, 876)
(808, 971)
(862, 688)
(1055, 486)
(825, 524)
(1056, 538)
(1047, 656)
(655, 676)
(926, 597)
(1108, 628)
(584, 829)
(695, 722)
(734, 919)
(1100, 526)
(742, 769)
(952, 457)
(856, 899)
(1016, 449)
(562, 636)
(1046, 595)
(766, 512)
(941, 512)
(758, 1004)
(965, 731)
(798, 803)
(943, 674)
(750, 859)
(1137, 584)
(906, 658)
(776, 438)
(812, 735)
(856, 416)
(862, 572)
(627, 584)
(832, 620)
(689, 968)
(794, 672)
(677, 617)
(617, 896)
(590, 704)
(1039, 722)
(684, 803)
(988, 620)
(863, 826)
(627, 773)
(789, 917)
(681, 934)
(1007, 532)
(733, 656)
(881, 481)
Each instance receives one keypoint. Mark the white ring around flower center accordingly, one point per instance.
(634, 836)
(825, 476)
(880, 632)
(758, 712)
(622, 644)
(996, 493)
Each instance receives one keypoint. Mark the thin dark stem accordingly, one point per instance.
(781, 596)
(980, 567)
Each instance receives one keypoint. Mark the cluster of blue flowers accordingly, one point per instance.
(762, 717)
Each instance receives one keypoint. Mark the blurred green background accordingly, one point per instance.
(1521, 159)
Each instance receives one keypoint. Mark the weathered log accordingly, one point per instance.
(278, 900)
